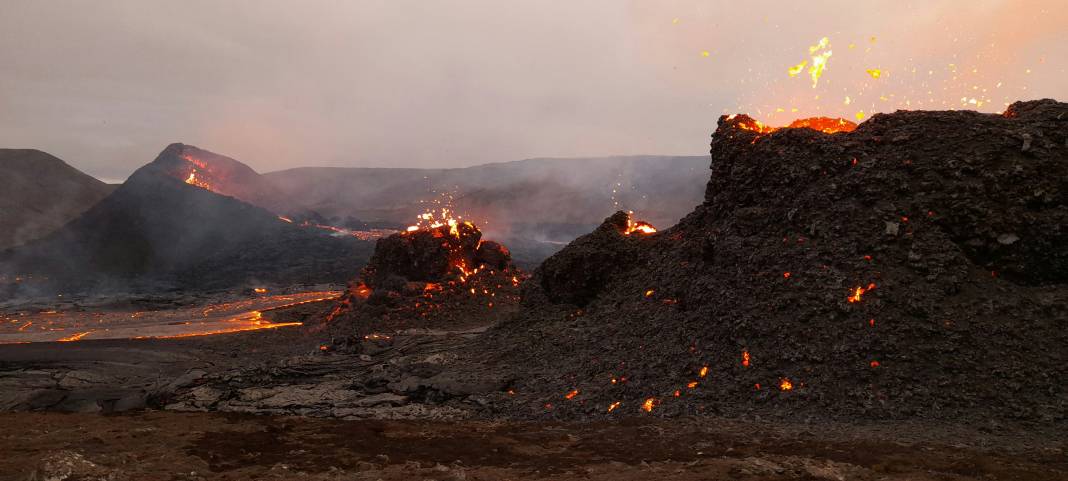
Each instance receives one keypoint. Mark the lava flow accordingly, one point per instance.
(225, 316)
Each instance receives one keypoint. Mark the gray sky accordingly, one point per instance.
(106, 85)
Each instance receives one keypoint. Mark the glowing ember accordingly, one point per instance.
(875, 364)
(649, 404)
(73, 337)
(785, 385)
(704, 371)
(613, 406)
(745, 358)
(858, 292)
(260, 290)
(572, 394)
(692, 384)
(820, 54)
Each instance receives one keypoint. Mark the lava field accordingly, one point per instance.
(912, 267)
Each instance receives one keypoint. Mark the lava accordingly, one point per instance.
(221, 317)
(197, 181)
(858, 292)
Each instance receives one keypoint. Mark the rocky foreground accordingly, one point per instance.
(210, 446)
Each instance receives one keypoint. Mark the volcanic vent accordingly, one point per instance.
(912, 267)
(438, 274)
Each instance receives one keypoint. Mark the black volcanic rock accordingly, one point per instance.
(913, 268)
(41, 193)
(158, 230)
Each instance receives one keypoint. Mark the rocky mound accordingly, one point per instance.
(40, 194)
(913, 267)
(160, 230)
(442, 277)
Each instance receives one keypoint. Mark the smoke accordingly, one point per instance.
(407, 83)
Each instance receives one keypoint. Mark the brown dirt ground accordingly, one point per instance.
(195, 446)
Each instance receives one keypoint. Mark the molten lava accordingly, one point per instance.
(638, 226)
(199, 182)
(826, 125)
(858, 292)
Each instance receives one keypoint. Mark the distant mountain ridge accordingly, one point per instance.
(523, 197)
(156, 229)
(41, 193)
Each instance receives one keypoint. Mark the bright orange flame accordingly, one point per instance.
(858, 292)
(260, 290)
(785, 385)
(704, 371)
(193, 180)
(613, 406)
(572, 394)
(640, 227)
(745, 358)
(648, 405)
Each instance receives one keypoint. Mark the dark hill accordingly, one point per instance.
(157, 230)
(914, 267)
(40, 194)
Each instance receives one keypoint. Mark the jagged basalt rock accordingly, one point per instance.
(431, 277)
(425, 255)
(913, 267)
(590, 262)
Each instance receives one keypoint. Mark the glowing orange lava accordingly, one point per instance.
(858, 292)
(639, 226)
